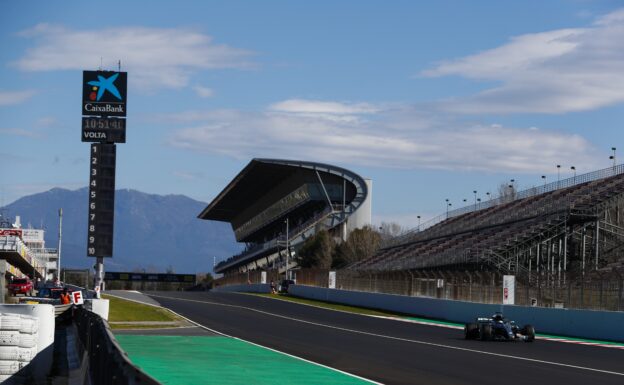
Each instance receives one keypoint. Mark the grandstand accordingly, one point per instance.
(572, 225)
(274, 205)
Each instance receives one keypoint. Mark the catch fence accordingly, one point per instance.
(595, 291)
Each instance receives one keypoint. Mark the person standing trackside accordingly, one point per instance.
(65, 300)
(273, 291)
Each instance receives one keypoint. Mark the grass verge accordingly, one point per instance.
(121, 310)
(329, 305)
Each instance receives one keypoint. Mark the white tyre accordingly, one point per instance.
(27, 341)
(10, 322)
(9, 367)
(29, 325)
(9, 353)
(9, 338)
(26, 354)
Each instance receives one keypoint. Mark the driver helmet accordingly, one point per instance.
(497, 317)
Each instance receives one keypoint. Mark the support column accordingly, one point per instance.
(597, 244)
(565, 247)
(99, 276)
(3, 282)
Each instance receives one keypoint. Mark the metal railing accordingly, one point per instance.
(260, 247)
(598, 290)
(15, 244)
(530, 192)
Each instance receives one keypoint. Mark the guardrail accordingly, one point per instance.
(108, 364)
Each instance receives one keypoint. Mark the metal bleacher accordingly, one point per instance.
(547, 227)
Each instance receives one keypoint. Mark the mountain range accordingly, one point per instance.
(152, 232)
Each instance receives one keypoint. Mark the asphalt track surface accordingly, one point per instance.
(394, 352)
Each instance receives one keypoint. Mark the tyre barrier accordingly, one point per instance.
(18, 345)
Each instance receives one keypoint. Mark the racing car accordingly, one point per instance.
(498, 328)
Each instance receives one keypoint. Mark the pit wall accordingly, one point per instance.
(590, 324)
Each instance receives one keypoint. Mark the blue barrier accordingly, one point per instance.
(602, 325)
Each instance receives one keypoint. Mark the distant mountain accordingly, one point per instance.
(152, 232)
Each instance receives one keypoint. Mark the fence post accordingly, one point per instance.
(620, 289)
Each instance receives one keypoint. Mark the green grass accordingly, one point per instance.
(121, 310)
(331, 305)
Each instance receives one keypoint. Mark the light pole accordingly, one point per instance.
(418, 216)
(447, 206)
(475, 194)
(544, 179)
(612, 157)
(489, 196)
(60, 237)
(479, 200)
(574, 169)
(558, 174)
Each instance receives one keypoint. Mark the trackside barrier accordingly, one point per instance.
(108, 364)
(34, 336)
(602, 325)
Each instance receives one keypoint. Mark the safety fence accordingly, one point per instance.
(595, 291)
(108, 365)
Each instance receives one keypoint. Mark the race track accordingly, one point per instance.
(394, 352)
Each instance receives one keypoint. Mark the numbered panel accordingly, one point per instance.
(101, 200)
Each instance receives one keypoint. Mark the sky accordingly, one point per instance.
(430, 100)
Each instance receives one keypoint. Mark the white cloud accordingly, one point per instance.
(9, 98)
(47, 122)
(556, 71)
(322, 107)
(203, 92)
(399, 138)
(20, 132)
(186, 175)
(158, 57)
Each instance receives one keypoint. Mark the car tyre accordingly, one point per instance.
(529, 332)
(486, 332)
(470, 331)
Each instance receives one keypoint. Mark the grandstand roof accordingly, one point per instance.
(257, 179)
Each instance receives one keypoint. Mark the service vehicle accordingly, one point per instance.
(21, 286)
(498, 328)
(283, 287)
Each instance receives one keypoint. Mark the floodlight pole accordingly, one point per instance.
(60, 236)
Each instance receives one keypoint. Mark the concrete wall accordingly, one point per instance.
(603, 325)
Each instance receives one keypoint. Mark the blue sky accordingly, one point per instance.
(431, 100)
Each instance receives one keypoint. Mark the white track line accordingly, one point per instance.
(458, 327)
(401, 339)
(252, 343)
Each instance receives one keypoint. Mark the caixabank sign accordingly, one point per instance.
(104, 93)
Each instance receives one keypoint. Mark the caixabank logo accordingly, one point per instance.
(104, 93)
